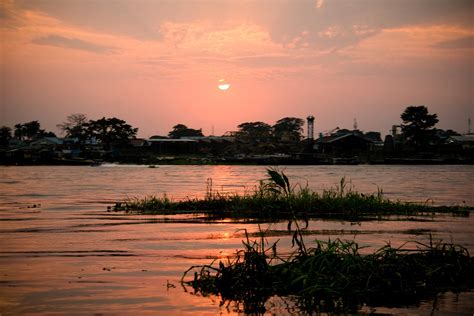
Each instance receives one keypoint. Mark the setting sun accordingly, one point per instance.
(223, 85)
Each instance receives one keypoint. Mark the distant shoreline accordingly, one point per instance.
(246, 161)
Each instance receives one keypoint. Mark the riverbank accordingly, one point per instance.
(266, 160)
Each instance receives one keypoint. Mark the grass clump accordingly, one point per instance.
(276, 198)
(333, 276)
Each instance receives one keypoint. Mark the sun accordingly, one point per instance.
(223, 85)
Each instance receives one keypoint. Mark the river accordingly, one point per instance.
(62, 252)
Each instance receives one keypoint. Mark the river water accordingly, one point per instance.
(62, 252)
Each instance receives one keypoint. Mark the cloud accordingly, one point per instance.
(284, 20)
(203, 38)
(466, 42)
(9, 17)
(319, 4)
(285, 61)
(227, 29)
(73, 43)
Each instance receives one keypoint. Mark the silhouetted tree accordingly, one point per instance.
(5, 135)
(254, 131)
(48, 134)
(417, 123)
(253, 138)
(110, 131)
(19, 131)
(31, 131)
(181, 130)
(288, 128)
(75, 127)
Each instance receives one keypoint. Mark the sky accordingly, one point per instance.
(155, 64)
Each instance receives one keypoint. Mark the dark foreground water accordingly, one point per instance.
(62, 252)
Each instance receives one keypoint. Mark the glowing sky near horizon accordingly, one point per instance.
(157, 63)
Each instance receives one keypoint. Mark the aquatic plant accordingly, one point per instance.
(277, 183)
(276, 198)
(333, 276)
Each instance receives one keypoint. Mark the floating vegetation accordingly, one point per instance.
(276, 198)
(333, 276)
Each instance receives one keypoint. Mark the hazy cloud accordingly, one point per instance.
(9, 18)
(459, 43)
(284, 20)
(73, 43)
(319, 3)
(276, 61)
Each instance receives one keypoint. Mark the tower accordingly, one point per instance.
(310, 120)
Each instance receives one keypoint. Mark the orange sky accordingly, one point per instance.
(158, 63)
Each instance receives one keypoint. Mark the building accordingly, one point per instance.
(343, 145)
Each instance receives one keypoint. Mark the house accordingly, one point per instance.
(460, 146)
(138, 142)
(213, 145)
(173, 146)
(343, 145)
(46, 142)
(464, 141)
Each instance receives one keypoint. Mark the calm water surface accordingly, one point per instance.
(62, 252)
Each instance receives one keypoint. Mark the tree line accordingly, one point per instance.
(417, 129)
(116, 131)
(291, 127)
(106, 131)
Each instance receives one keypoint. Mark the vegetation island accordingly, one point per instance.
(330, 276)
(90, 142)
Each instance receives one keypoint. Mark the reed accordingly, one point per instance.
(333, 276)
(276, 198)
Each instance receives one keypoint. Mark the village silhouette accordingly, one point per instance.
(91, 142)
